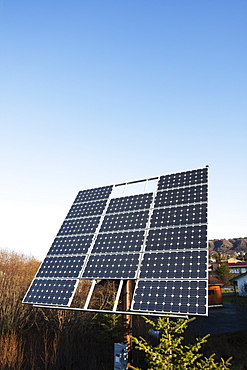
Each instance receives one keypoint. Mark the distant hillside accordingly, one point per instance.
(229, 246)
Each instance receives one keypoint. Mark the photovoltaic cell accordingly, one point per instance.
(130, 203)
(79, 226)
(94, 194)
(58, 267)
(125, 221)
(71, 245)
(165, 296)
(181, 215)
(184, 195)
(174, 265)
(114, 266)
(86, 209)
(50, 292)
(186, 237)
(183, 179)
(130, 241)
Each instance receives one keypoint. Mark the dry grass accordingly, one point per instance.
(11, 351)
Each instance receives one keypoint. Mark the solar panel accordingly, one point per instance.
(185, 237)
(114, 242)
(57, 277)
(179, 296)
(130, 203)
(94, 194)
(158, 239)
(71, 245)
(87, 209)
(61, 266)
(174, 265)
(51, 292)
(125, 221)
(181, 196)
(79, 226)
(183, 179)
(181, 215)
(173, 272)
(112, 266)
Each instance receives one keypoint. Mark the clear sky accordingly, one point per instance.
(101, 92)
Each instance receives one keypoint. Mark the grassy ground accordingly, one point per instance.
(230, 344)
(235, 300)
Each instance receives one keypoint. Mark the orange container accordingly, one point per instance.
(214, 295)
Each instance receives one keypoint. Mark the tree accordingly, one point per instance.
(223, 273)
(171, 353)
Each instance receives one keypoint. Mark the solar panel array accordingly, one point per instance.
(158, 239)
(56, 280)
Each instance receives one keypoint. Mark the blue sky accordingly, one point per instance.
(101, 92)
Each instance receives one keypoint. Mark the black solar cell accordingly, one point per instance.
(130, 203)
(51, 292)
(183, 179)
(85, 225)
(174, 265)
(129, 241)
(87, 209)
(71, 245)
(94, 194)
(177, 238)
(181, 297)
(184, 195)
(57, 267)
(114, 266)
(125, 221)
(181, 215)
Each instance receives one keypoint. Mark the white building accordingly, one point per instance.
(240, 283)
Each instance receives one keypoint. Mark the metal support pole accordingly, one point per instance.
(127, 319)
(118, 295)
(89, 294)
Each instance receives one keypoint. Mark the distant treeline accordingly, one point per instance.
(35, 338)
(228, 246)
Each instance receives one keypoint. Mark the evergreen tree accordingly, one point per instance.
(223, 273)
(171, 353)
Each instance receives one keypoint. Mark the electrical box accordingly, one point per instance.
(120, 356)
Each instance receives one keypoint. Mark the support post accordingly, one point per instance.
(127, 319)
